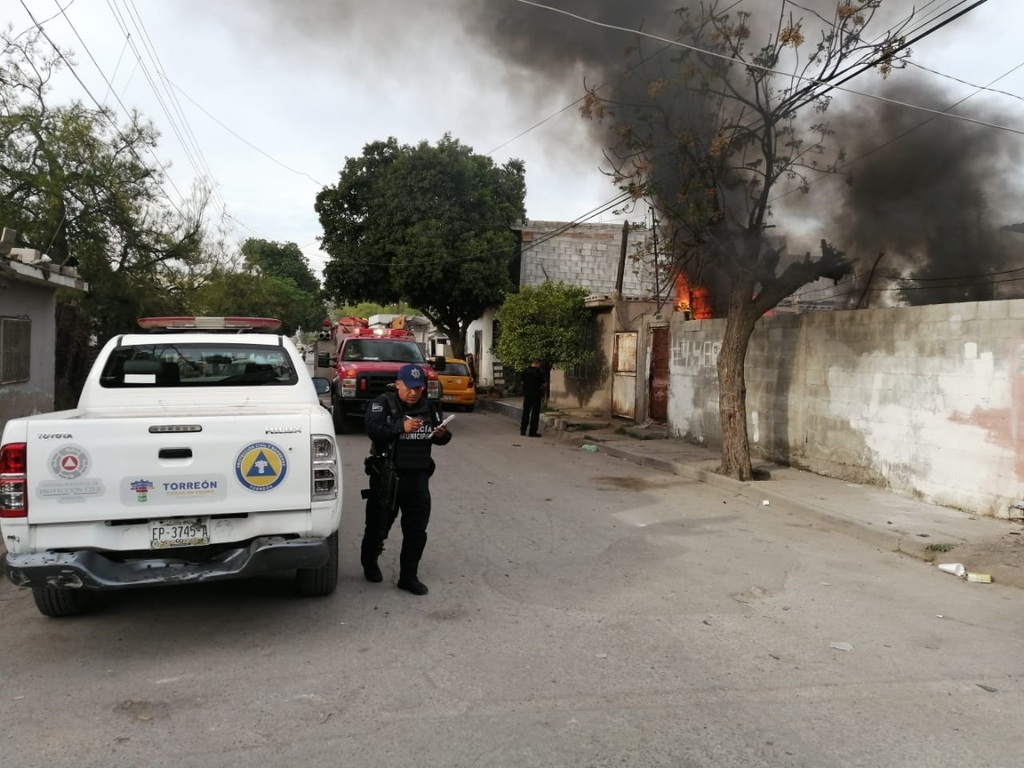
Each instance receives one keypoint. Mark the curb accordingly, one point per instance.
(759, 491)
(703, 471)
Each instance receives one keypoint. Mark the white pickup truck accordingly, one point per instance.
(193, 456)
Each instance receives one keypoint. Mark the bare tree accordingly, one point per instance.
(711, 131)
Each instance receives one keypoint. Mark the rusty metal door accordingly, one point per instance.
(658, 396)
(624, 376)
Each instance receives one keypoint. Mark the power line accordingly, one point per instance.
(908, 284)
(105, 113)
(808, 92)
(170, 107)
(25, 31)
(593, 213)
(242, 139)
(979, 88)
(897, 137)
(982, 276)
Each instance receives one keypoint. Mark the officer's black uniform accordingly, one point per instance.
(411, 456)
(533, 391)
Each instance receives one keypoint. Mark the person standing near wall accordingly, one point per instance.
(534, 383)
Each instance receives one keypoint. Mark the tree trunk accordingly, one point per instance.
(732, 389)
(458, 340)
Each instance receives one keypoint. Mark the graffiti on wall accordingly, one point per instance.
(695, 354)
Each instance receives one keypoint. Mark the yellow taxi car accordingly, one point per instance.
(458, 389)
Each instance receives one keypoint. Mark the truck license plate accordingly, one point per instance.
(449, 398)
(181, 532)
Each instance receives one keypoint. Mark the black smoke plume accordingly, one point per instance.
(930, 192)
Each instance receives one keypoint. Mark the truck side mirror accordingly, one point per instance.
(438, 363)
(323, 359)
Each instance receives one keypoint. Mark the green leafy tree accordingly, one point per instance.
(718, 132)
(229, 292)
(285, 262)
(429, 226)
(80, 187)
(365, 310)
(544, 322)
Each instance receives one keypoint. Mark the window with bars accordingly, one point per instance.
(15, 344)
(587, 334)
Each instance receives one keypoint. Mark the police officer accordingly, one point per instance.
(401, 426)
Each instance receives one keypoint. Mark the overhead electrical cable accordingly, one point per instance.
(171, 109)
(825, 174)
(35, 25)
(808, 92)
(244, 140)
(106, 114)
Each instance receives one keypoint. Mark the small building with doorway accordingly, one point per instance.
(29, 282)
(617, 264)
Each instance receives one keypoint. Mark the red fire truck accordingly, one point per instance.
(363, 362)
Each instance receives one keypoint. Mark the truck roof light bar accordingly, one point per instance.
(209, 323)
(382, 333)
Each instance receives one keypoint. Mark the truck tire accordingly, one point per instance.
(322, 581)
(57, 603)
(341, 426)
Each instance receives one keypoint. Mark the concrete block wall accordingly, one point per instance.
(586, 255)
(928, 401)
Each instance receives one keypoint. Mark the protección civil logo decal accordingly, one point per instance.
(261, 466)
(69, 462)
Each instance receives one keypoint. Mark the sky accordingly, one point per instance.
(265, 99)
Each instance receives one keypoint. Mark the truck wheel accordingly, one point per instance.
(56, 602)
(338, 415)
(320, 582)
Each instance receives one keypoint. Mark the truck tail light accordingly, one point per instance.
(433, 389)
(13, 499)
(324, 467)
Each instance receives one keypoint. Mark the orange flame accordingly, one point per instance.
(695, 300)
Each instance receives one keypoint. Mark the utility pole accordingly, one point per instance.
(622, 260)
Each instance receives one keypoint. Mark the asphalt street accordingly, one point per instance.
(584, 611)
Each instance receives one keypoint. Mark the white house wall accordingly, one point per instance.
(18, 299)
(928, 401)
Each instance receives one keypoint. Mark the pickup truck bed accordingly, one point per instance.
(191, 457)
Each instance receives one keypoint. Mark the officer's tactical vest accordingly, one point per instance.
(412, 449)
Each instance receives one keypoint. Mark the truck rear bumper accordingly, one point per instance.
(96, 570)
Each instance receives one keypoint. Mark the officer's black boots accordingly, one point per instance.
(368, 558)
(371, 572)
(412, 584)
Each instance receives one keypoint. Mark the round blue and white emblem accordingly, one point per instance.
(261, 466)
